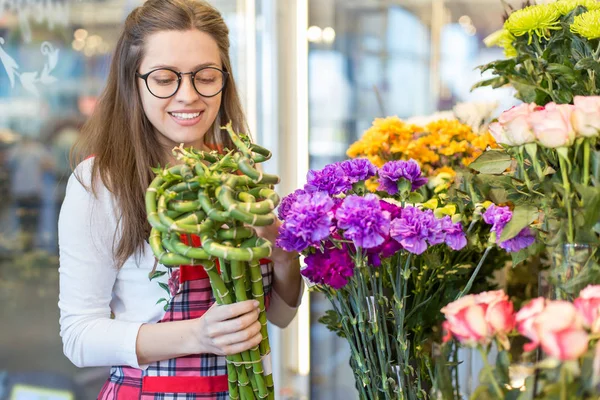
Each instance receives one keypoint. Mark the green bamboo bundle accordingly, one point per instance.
(219, 197)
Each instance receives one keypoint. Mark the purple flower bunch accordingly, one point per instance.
(417, 229)
(498, 217)
(394, 172)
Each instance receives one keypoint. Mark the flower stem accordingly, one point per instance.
(488, 369)
(567, 198)
(523, 170)
(586, 162)
(474, 275)
(563, 383)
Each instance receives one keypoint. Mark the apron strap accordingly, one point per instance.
(185, 384)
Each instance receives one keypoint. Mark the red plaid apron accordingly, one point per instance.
(200, 376)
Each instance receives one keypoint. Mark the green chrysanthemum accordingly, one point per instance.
(502, 38)
(566, 6)
(539, 19)
(587, 25)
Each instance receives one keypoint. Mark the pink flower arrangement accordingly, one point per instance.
(561, 328)
(552, 126)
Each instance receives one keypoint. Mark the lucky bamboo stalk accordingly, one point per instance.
(213, 196)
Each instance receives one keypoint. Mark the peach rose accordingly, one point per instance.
(552, 125)
(513, 127)
(586, 116)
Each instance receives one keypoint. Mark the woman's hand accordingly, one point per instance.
(228, 329)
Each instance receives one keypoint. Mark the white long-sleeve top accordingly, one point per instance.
(91, 286)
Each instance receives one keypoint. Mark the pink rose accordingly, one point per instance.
(174, 282)
(588, 306)
(559, 330)
(525, 318)
(586, 116)
(476, 319)
(513, 127)
(552, 125)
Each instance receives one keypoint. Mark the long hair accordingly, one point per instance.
(120, 137)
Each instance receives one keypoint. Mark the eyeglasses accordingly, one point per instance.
(164, 82)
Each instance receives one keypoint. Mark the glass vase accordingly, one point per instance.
(572, 268)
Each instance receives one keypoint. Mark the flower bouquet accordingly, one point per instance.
(566, 332)
(218, 197)
(549, 167)
(552, 52)
(388, 261)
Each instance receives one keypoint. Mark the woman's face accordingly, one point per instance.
(186, 116)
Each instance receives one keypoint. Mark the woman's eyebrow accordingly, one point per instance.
(197, 67)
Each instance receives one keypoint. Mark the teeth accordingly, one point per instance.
(185, 115)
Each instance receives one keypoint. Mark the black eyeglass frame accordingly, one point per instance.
(180, 77)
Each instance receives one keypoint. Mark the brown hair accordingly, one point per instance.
(120, 137)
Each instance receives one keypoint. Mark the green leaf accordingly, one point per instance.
(590, 197)
(498, 196)
(522, 216)
(588, 63)
(161, 300)
(332, 321)
(492, 162)
(563, 96)
(495, 83)
(165, 287)
(415, 197)
(156, 274)
(560, 69)
(519, 257)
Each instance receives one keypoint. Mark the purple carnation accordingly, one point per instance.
(455, 236)
(394, 171)
(331, 179)
(359, 169)
(363, 220)
(333, 268)
(308, 221)
(411, 230)
(524, 239)
(288, 241)
(498, 217)
(286, 203)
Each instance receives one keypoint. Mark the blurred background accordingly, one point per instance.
(313, 74)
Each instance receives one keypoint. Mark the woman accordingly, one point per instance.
(170, 82)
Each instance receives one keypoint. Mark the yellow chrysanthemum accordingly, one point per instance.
(438, 147)
(538, 19)
(380, 137)
(587, 25)
(502, 38)
(566, 6)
